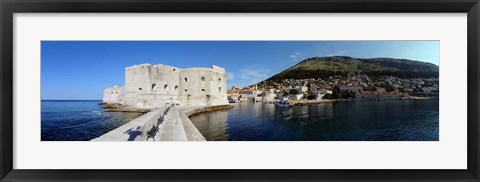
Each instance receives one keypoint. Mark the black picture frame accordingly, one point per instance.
(9, 7)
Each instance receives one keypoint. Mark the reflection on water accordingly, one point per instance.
(395, 120)
(213, 125)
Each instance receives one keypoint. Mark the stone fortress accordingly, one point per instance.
(153, 86)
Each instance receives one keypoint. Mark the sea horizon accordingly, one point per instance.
(71, 99)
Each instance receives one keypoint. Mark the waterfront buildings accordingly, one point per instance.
(352, 86)
(374, 95)
(250, 95)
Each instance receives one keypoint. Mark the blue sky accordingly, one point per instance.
(80, 70)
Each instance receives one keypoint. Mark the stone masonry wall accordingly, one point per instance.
(154, 86)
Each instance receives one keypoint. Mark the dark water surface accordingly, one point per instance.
(72, 120)
(388, 120)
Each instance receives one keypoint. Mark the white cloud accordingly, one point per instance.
(296, 56)
(249, 75)
(230, 76)
(339, 53)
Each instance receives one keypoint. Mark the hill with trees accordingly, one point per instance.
(322, 67)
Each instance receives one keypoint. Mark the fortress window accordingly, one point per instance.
(165, 86)
(219, 79)
(176, 86)
(153, 86)
(186, 90)
(174, 69)
(116, 92)
(140, 89)
(219, 89)
(203, 78)
(203, 90)
(185, 79)
(112, 92)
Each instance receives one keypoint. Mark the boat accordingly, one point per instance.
(282, 104)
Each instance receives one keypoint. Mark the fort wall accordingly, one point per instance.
(154, 86)
(113, 94)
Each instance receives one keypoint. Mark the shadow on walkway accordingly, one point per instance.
(133, 133)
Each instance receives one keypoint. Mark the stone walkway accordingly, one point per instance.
(191, 130)
(166, 124)
(172, 128)
(134, 130)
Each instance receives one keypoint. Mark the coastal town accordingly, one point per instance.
(350, 87)
(240, 91)
(169, 95)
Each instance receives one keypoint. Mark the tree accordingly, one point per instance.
(370, 88)
(294, 92)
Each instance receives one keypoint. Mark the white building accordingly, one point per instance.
(154, 86)
(113, 94)
(381, 89)
(268, 97)
(249, 95)
(428, 89)
(322, 92)
(295, 97)
(302, 88)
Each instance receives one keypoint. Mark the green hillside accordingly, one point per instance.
(321, 67)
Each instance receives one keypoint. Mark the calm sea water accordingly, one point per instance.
(68, 120)
(392, 120)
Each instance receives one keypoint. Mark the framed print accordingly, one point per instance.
(231, 90)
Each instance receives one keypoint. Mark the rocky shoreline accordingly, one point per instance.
(115, 107)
